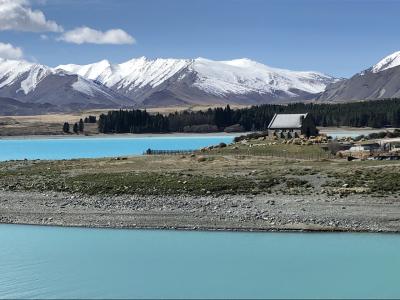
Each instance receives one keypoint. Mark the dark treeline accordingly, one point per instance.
(132, 121)
(90, 119)
(375, 114)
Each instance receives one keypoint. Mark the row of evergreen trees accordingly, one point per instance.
(375, 114)
(132, 121)
(90, 119)
(76, 128)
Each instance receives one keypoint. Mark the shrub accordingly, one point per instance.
(222, 145)
(234, 128)
(201, 128)
(334, 147)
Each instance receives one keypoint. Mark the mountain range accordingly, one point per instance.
(165, 82)
(27, 87)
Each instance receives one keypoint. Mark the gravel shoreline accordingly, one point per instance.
(354, 213)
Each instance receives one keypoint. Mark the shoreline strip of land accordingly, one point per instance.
(227, 213)
(245, 186)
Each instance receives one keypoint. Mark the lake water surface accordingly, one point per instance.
(96, 147)
(51, 262)
(69, 148)
(349, 132)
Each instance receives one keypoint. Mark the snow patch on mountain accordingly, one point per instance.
(93, 89)
(11, 71)
(390, 61)
(81, 86)
(36, 74)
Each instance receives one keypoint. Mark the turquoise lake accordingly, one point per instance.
(69, 148)
(96, 147)
(349, 133)
(52, 262)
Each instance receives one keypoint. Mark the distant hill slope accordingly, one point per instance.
(11, 107)
(380, 81)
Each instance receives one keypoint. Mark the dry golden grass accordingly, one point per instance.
(50, 124)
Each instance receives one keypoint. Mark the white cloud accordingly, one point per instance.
(44, 37)
(8, 51)
(18, 15)
(83, 35)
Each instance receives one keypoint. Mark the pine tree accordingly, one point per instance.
(81, 125)
(66, 127)
(76, 128)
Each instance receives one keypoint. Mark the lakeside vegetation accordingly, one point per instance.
(217, 171)
(375, 114)
(265, 147)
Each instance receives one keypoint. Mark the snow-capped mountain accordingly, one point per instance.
(34, 83)
(390, 61)
(201, 81)
(160, 82)
(381, 81)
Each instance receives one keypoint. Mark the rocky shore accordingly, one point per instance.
(356, 213)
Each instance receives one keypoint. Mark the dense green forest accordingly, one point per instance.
(375, 114)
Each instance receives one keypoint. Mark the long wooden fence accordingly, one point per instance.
(263, 152)
(168, 152)
(291, 155)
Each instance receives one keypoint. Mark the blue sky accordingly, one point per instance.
(335, 37)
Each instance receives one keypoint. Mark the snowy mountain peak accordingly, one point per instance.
(91, 71)
(242, 62)
(104, 63)
(390, 61)
(29, 74)
(134, 61)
